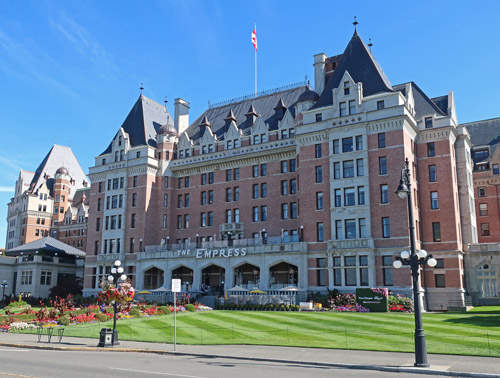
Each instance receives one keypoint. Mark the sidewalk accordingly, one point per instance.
(442, 365)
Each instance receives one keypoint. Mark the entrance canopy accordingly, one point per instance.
(47, 246)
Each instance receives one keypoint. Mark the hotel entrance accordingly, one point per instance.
(212, 278)
(282, 275)
(185, 275)
(247, 276)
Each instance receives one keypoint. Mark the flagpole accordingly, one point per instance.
(255, 64)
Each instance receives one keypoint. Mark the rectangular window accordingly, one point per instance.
(440, 263)
(349, 197)
(100, 188)
(436, 231)
(319, 232)
(361, 195)
(434, 200)
(179, 201)
(236, 174)
(203, 200)
(342, 109)
(293, 165)
(386, 227)
(203, 179)
(134, 181)
(384, 193)
(388, 277)
(338, 229)
(338, 197)
(98, 224)
(485, 229)
(255, 191)
(381, 140)
(483, 209)
(317, 151)
(229, 175)
(347, 144)
(380, 104)
(263, 213)
(186, 220)
(236, 215)
(495, 169)
(335, 146)
(481, 191)
(319, 174)
(432, 173)
(284, 211)
(428, 122)
(346, 88)
(165, 199)
(319, 201)
(439, 278)
(255, 171)
(210, 177)
(352, 107)
(99, 204)
(293, 210)
(165, 182)
(430, 149)
(363, 270)
(210, 197)
(350, 229)
(382, 165)
(336, 170)
(362, 227)
(203, 219)
(348, 168)
(210, 218)
(186, 182)
(263, 190)
(186, 200)
(255, 214)
(284, 166)
(229, 194)
(115, 183)
(360, 167)
(319, 117)
(132, 221)
(229, 216)
(337, 271)
(236, 193)
(293, 186)
(359, 142)
(180, 182)
(179, 222)
(263, 169)
(284, 188)
(350, 270)
(164, 224)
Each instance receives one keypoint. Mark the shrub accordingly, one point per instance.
(135, 312)
(63, 320)
(400, 303)
(101, 317)
(190, 307)
(165, 309)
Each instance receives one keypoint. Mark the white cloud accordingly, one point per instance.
(7, 189)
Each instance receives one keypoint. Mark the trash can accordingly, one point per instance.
(106, 338)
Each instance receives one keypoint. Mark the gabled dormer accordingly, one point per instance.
(208, 140)
(120, 146)
(251, 116)
(279, 110)
(286, 128)
(259, 132)
(184, 147)
(347, 97)
(232, 137)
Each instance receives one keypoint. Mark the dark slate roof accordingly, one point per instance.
(79, 194)
(59, 156)
(362, 66)
(484, 133)
(143, 122)
(263, 106)
(424, 106)
(442, 103)
(46, 244)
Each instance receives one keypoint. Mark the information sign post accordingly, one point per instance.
(176, 288)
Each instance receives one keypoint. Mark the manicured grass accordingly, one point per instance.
(464, 333)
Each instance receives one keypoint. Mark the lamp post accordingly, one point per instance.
(115, 276)
(4, 285)
(414, 259)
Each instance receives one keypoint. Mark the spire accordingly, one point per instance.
(230, 117)
(205, 122)
(281, 105)
(355, 23)
(251, 111)
(141, 88)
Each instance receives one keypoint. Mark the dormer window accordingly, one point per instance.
(229, 145)
(428, 122)
(181, 154)
(119, 141)
(380, 104)
(284, 134)
(343, 109)
(319, 117)
(203, 150)
(122, 155)
(263, 138)
(352, 107)
(103, 161)
(346, 88)
(210, 148)
(256, 139)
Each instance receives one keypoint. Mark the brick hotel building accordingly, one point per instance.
(291, 188)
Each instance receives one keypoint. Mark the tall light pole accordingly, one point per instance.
(115, 276)
(4, 285)
(414, 260)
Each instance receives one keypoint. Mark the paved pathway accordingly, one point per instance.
(445, 365)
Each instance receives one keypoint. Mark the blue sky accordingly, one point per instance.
(71, 71)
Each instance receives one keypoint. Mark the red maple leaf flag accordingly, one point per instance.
(254, 38)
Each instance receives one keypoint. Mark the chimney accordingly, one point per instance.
(319, 72)
(181, 115)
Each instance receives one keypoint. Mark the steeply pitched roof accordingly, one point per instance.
(484, 133)
(362, 66)
(424, 106)
(57, 157)
(47, 244)
(263, 105)
(143, 122)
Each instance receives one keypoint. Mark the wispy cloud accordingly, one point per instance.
(25, 60)
(82, 41)
(7, 189)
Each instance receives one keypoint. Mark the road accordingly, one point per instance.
(30, 363)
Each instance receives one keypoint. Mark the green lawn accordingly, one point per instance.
(464, 333)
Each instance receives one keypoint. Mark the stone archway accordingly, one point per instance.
(283, 274)
(247, 276)
(213, 277)
(185, 274)
(153, 278)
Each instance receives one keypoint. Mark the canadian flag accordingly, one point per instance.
(254, 38)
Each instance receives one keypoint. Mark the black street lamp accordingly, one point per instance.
(414, 259)
(115, 276)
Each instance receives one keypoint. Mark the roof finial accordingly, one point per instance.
(355, 23)
(165, 101)
(370, 44)
(141, 88)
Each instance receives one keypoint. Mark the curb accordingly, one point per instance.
(392, 369)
